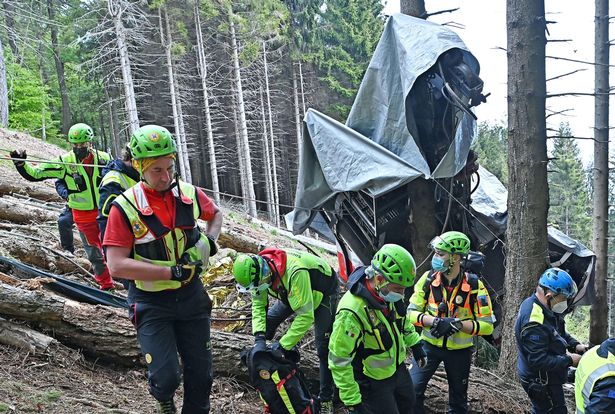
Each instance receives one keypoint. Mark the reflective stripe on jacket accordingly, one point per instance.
(366, 340)
(79, 199)
(157, 244)
(113, 176)
(463, 302)
(592, 368)
(306, 280)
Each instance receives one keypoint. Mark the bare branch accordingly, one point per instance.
(578, 61)
(428, 15)
(565, 74)
(562, 112)
(555, 95)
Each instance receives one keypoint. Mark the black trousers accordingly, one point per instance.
(546, 399)
(394, 395)
(324, 315)
(65, 228)
(172, 322)
(457, 367)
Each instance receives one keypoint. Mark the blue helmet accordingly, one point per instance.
(558, 281)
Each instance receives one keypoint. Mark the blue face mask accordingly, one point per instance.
(391, 296)
(437, 264)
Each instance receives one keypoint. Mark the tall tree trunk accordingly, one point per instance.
(599, 309)
(113, 121)
(267, 164)
(9, 18)
(243, 127)
(240, 158)
(273, 158)
(184, 164)
(66, 115)
(414, 8)
(423, 226)
(301, 83)
(202, 66)
(298, 123)
(115, 10)
(4, 92)
(527, 249)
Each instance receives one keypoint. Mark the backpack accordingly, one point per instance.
(279, 382)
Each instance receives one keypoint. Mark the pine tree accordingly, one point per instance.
(491, 145)
(568, 188)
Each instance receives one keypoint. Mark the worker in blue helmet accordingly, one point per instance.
(545, 349)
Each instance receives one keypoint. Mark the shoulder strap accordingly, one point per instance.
(473, 282)
(437, 293)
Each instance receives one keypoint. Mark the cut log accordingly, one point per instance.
(239, 242)
(25, 338)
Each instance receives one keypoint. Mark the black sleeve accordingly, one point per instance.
(535, 346)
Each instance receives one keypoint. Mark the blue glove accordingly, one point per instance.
(260, 342)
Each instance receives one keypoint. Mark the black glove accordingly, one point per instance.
(278, 350)
(18, 154)
(213, 247)
(79, 182)
(419, 354)
(356, 409)
(445, 327)
(186, 270)
(259, 338)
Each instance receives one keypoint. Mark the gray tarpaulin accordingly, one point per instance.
(375, 151)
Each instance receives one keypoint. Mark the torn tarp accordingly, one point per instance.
(375, 151)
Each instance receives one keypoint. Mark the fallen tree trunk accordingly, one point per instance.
(22, 213)
(35, 253)
(106, 333)
(25, 338)
(21, 187)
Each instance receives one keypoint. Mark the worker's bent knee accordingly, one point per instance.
(163, 383)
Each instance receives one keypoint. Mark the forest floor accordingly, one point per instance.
(66, 381)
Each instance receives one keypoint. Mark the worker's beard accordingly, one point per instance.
(81, 152)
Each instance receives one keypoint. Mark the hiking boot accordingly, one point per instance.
(166, 407)
(326, 407)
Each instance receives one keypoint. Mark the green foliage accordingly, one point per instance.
(343, 39)
(491, 145)
(577, 324)
(568, 188)
(28, 101)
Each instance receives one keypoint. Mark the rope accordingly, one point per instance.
(50, 162)
(470, 212)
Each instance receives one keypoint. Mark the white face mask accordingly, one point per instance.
(560, 307)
